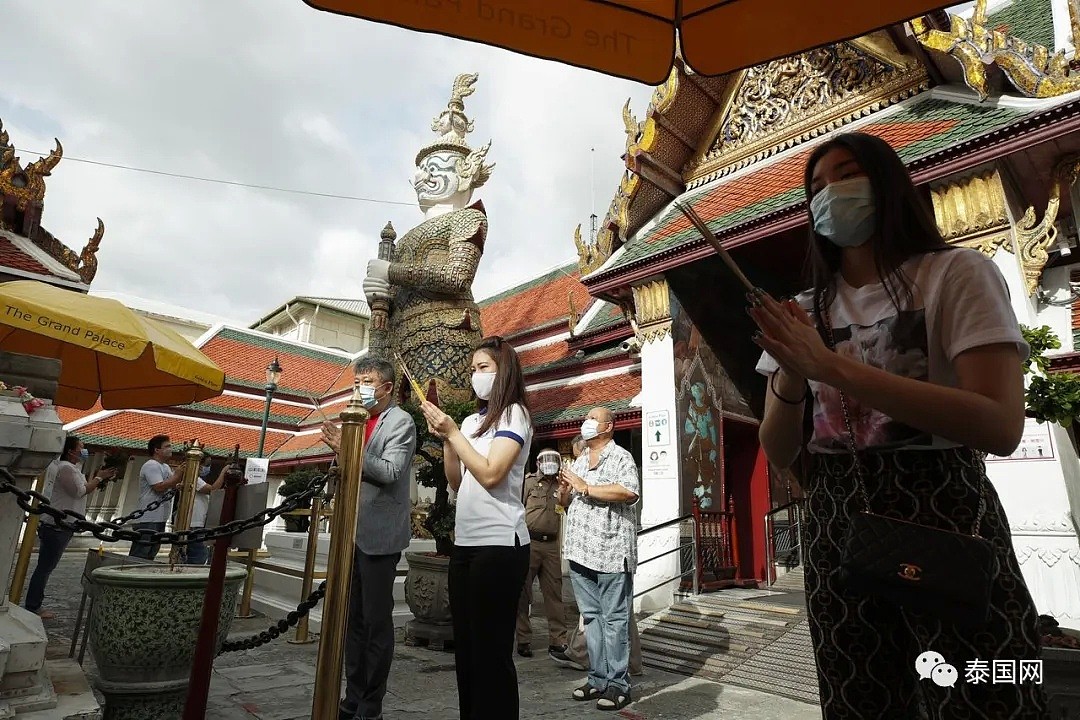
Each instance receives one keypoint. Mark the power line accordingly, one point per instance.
(234, 183)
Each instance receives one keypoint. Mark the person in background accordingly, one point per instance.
(543, 519)
(600, 543)
(198, 553)
(383, 531)
(485, 463)
(69, 491)
(155, 479)
(577, 649)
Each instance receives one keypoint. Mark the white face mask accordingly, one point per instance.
(843, 212)
(590, 429)
(482, 383)
(549, 463)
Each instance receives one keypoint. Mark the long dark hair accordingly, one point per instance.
(509, 386)
(904, 225)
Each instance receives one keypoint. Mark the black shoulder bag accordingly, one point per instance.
(939, 572)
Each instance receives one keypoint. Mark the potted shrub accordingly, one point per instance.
(297, 481)
(426, 589)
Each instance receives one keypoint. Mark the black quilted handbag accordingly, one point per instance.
(929, 570)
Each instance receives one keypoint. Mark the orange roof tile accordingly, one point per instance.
(573, 402)
(13, 257)
(543, 354)
(536, 303)
(131, 429)
(70, 415)
(244, 359)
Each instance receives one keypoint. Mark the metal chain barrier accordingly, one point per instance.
(281, 626)
(111, 531)
(169, 495)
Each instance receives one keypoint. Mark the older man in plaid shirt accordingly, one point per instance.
(600, 543)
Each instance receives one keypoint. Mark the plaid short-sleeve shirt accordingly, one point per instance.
(599, 535)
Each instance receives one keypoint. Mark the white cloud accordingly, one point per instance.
(274, 93)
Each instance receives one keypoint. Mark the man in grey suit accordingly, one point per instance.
(383, 531)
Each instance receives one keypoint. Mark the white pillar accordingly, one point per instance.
(660, 474)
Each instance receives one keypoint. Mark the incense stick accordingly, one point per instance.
(711, 238)
(317, 408)
(409, 376)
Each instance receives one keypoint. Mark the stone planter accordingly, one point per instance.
(428, 595)
(143, 631)
(1061, 680)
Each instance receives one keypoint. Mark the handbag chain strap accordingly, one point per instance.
(853, 449)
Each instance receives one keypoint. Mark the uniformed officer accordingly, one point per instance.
(543, 519)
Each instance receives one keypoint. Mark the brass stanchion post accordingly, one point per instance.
(187, 496)
(26, 549)
(302, 637)
(324, 705)
(249, 583)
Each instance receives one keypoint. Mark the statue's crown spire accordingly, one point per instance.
(452, 124)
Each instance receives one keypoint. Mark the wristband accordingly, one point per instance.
(772, 386)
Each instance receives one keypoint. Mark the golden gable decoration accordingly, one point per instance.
(1030, 68)
(788, 101)
(972, 211)
(22, 202)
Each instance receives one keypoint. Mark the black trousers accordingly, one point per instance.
(485, 586)
(369, 640)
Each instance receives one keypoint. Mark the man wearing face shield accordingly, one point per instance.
(383, 531)
(600, 543)
(539, 496)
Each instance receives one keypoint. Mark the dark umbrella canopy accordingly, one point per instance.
(636, 39)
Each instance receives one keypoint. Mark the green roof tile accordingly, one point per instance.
(960, 122)
(1029, 20)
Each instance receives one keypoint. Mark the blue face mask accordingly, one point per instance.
(204, 471)
(843, 212)
(83, 454)
(368, 396)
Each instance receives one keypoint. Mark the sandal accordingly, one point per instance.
(613, 699)
(586, 692)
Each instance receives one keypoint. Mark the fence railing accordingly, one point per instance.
(694, 556)
(783, 535)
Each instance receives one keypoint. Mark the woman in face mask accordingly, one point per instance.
(908, 354)
(485, 464)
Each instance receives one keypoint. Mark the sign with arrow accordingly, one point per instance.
(658, 428)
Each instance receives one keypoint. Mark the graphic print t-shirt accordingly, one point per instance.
(959, 302)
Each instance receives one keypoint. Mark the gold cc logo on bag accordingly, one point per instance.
(910, 572)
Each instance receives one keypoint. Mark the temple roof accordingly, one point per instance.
(1030, 20)
(236, 415)
(538, 304)
(28, 250)
(918, 129)
(567, 405)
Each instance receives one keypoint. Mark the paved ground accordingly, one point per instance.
(275, 682)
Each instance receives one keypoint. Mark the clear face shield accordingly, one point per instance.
(549, 462)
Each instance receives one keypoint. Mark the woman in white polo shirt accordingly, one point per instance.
(485, 464)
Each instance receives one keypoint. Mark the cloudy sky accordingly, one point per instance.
(272, 92)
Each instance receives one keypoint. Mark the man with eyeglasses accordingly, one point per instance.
(155, 479)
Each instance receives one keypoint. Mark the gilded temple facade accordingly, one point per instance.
(984, 109)
(27, 250)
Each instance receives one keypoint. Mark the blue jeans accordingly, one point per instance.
(197, 553)
(146, 551)
(604, 601)
(51, 545)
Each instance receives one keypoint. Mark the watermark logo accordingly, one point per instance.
(932, 666)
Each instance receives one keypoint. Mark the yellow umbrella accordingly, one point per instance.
(636, 39)
(107, 349)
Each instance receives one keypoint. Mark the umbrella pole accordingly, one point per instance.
(206, 647)
(331, 657)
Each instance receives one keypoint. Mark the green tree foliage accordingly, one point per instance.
(1053, 397)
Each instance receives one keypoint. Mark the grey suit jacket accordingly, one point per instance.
(383, 525)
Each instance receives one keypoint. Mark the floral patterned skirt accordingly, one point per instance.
(866, 649)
